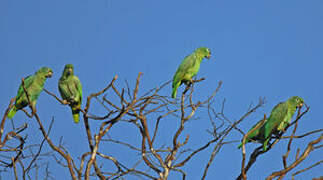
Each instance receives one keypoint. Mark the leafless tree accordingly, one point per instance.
(145, 112)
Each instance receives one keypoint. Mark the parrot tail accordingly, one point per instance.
(76, 114)
(174, 92)
(265, 144)
(76, 118)
(12, 112)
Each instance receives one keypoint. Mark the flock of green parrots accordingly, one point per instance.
(70, 89)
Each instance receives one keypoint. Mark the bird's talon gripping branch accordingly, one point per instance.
(65, 102)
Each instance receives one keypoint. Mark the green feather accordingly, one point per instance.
(76, 113)
(255, 135)
(70, 89)
(12, 112)
(189, 68)
(76, 117)
(34, 85)
(280, 117)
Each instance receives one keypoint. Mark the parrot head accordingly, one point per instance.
(45, 71)
(297, 101)
(68, 70)
(204, 51)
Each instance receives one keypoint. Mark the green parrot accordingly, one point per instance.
(279, 119)
(34, 85)
(70, 89)
(189, 68)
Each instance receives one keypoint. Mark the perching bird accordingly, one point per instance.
(34, 85)
(278, 120)
(70, 89)
(189, 68)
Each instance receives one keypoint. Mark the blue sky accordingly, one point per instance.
(270, 49)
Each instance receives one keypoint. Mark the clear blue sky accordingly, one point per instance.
(270, 49)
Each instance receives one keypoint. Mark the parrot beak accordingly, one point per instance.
(50, 74)
(300, 105)
(208, 56)
(70, 71)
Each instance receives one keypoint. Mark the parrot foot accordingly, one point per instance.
(65, 102)
(72, 101)
(191, 82)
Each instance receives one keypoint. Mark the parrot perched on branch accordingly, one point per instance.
(70, 89)
(279, 119)
(34, 85)
(189, 68)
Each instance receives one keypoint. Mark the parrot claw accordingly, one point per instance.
(72, 101)
(65, 101)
